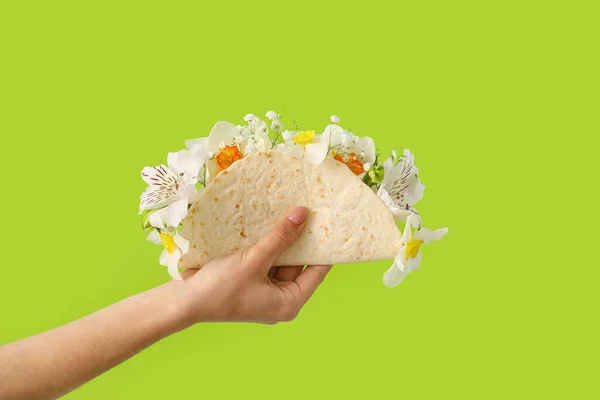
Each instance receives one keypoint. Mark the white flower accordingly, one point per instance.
(335, 119)
(167, 220)
(188, 163)
(401, 188)
(409, 257)
(164, 187)
(249, 117)
(276, 125)
(345, 142)
(315, 147)
(272, 115)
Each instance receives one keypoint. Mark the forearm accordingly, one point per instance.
(50, 364)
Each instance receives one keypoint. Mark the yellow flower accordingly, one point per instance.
(412, 249)
(304, 138)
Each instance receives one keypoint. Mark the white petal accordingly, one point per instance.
(249, 117)
(333, 130)
(387, 200)
(222, 132)
(367, 145)
(164, 187)
(404, 213)
(182, 243)
(394, 275)
(413, 264)
(176, 212)
(335, 119)
(288, 135)
(174, 264)
(187, 163)
(407, 234)
(272, 115)
(203, 142)
(427, 235)
(154, 237)
(316, 152)
(165, 258)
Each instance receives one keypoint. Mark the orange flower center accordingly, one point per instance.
(228, 155)
(355, 165)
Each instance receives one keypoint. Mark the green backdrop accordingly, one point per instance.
(498, 101)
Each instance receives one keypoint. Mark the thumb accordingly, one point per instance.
(282, 236)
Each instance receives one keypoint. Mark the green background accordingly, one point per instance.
(498, 101)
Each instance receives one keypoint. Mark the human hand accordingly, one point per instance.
(246, 287)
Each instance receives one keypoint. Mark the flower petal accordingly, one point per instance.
(170, 216)
(222, 132)
(165, 258)
(427, 235)
(154, 237)
(413, 264)
(182, 243)
(173, 266)
(394, 275)
(316, 152)
(202, 142)
(164, 188)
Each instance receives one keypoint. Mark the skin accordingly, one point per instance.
(242, 287)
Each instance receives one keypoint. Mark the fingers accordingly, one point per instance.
(282, 236)
(288, 273)
(310, 279)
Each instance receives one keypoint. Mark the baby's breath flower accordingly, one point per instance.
(335, 119)
(272, 115)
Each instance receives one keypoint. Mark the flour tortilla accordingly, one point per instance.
(346, 223)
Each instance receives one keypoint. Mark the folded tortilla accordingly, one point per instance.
(346, 223)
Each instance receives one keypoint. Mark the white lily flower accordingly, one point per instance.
(164, 187)
(409, 257)
(401, 188)
(315, 147)
(167, 221)
(272, 115)
(335, 119)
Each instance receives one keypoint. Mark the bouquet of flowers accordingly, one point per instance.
(223, 192)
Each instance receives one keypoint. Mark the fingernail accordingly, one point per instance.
(298, 215)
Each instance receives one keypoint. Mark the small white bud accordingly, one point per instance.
(272, 115)
(335, 119)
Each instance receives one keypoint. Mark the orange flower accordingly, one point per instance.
(355, 165)
(228, 155)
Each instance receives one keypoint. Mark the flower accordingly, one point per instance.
(166, 222)
(401, 188)
(249, 117)
(227, 156)
(164, 188)
(276, 125)
(354, 164)
(335, 119)
(315, 147)
(304, 138)
(187, 163)
(409, 257)
(272, 115)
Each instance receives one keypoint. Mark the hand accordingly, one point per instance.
(245, 287)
